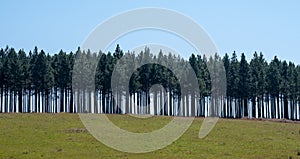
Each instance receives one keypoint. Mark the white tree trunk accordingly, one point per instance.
(276, 109)
(289, 109)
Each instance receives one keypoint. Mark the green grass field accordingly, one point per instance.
(64, 136)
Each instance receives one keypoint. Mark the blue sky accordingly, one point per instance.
(270, 26)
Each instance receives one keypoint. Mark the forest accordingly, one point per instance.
(39, 82)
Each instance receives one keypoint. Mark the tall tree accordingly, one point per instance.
(243, 85)
(273, 81)
(234, 83)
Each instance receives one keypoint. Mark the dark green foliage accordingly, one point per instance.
(39, 82)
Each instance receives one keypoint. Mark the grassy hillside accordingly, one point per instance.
(64, 136)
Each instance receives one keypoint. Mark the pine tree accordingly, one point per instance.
(284, 87)
(292, 80)
(243, 85)
(12, 75)
(254, 84)
(2, 57)
(234, 81)
(273, 81)
(226, 62)
(24, 78)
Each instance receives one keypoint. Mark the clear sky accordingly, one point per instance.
(268, 26)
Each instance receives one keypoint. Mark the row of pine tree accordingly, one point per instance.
(82, 82)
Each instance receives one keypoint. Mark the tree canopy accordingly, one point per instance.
(37, 81)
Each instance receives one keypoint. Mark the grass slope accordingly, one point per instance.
(64, 136)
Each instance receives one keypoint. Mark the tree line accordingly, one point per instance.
(82, 81)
